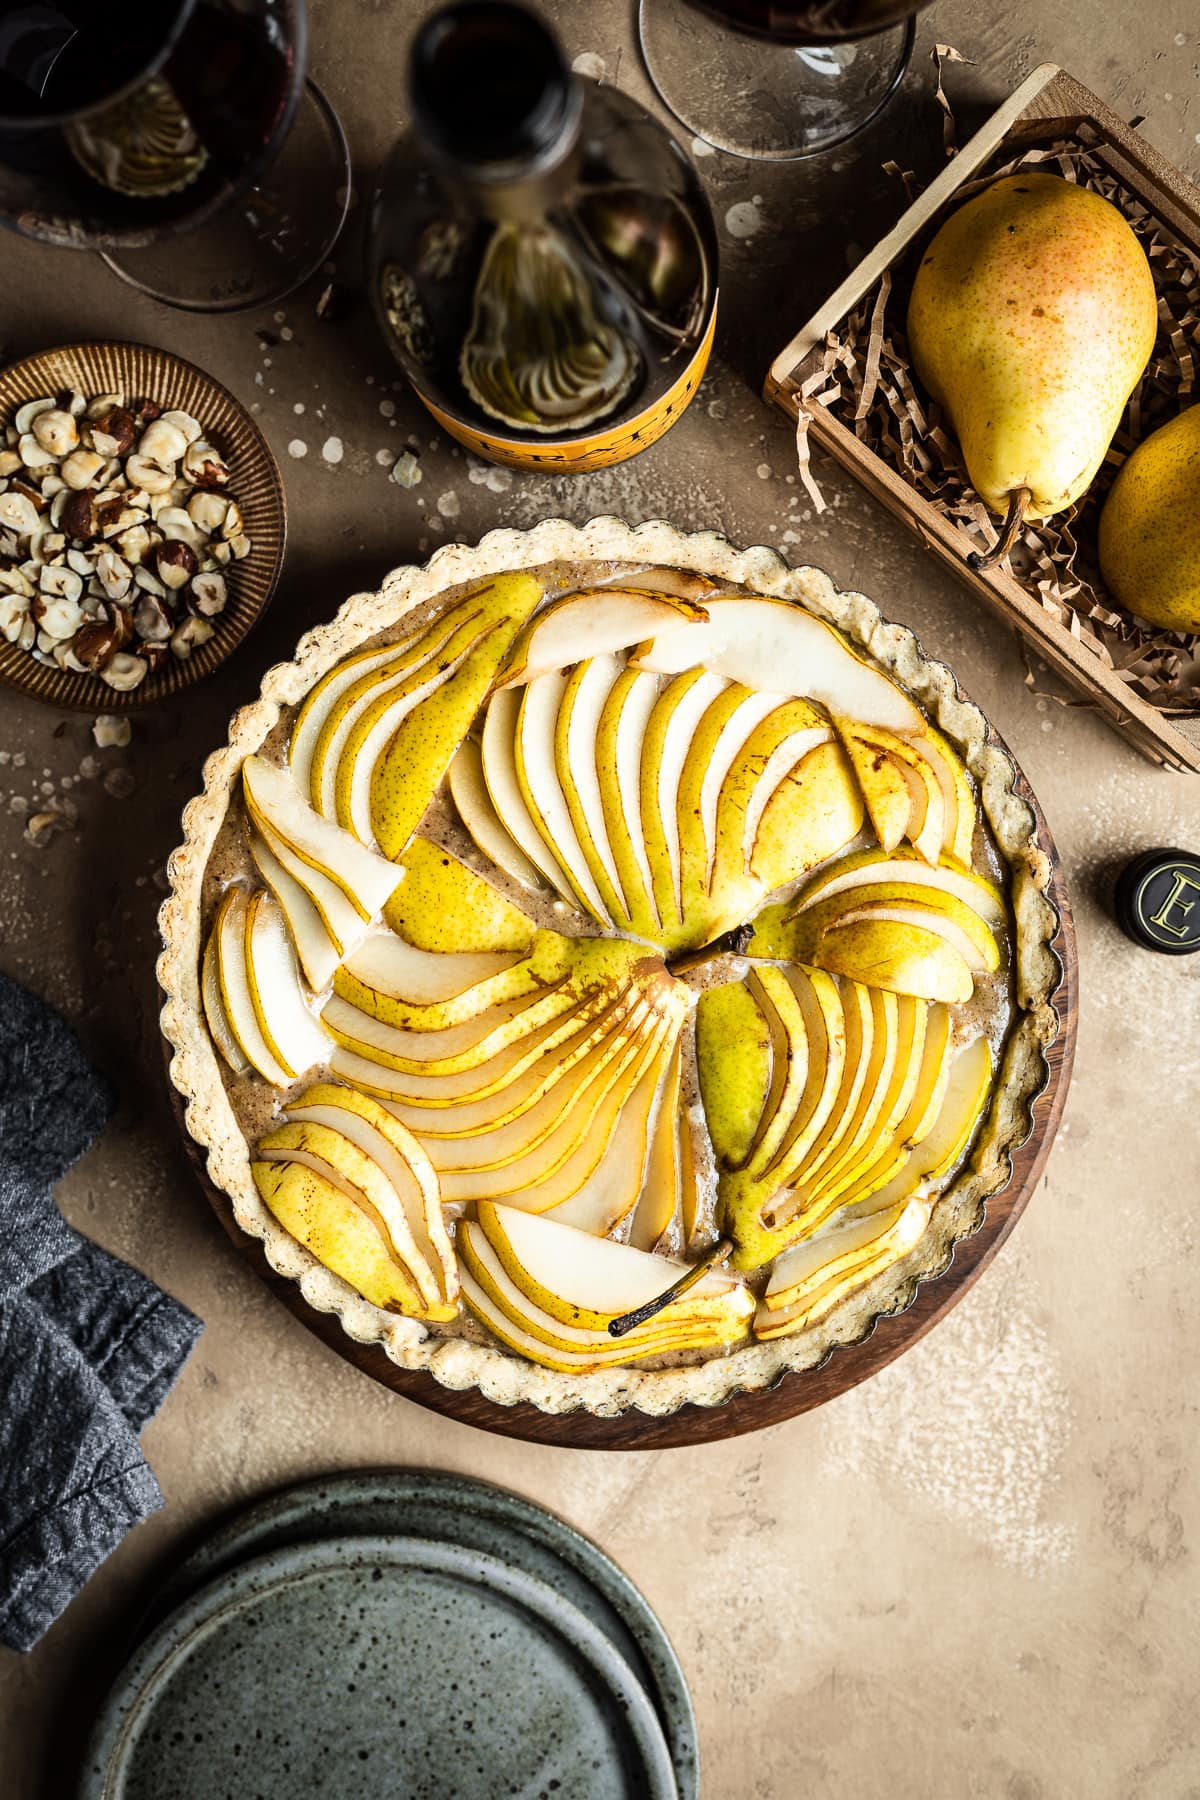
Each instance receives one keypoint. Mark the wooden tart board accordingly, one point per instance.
(795, 1392)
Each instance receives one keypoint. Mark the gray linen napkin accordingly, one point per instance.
(88, 1346)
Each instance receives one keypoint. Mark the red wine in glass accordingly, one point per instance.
(817, 22)
(122, 122)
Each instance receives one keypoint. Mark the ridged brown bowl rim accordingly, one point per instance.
(115, 366)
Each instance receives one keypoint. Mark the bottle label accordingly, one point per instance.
(600, 449)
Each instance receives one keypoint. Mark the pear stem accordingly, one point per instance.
(630, 1321)
(1018, 500)
(730, 943)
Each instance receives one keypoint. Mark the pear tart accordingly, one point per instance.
(600, 915)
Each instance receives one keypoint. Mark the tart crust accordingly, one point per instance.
(458, 1362)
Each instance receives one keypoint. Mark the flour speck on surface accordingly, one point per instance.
(449, 505)
(488, 475)
(744, 219)
(333, 450)
(298, 448)
(590, 65)
(972, 1424)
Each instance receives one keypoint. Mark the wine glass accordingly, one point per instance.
(180, 140)
(776, 80)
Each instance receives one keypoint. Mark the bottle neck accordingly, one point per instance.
(497, 108)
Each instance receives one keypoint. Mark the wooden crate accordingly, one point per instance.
(1049, 105)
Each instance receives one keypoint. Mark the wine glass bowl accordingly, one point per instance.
(772, 81)
(134, 129)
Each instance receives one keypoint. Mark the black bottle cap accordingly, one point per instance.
(488, 83)
(1157, 901)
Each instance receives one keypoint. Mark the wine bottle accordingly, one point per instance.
(541, 256)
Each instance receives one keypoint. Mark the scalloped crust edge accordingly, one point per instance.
(458, 1363)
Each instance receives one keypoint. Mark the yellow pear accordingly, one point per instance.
(1032, 316)
(1150, 528)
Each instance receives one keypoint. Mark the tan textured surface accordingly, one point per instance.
(974, 1572)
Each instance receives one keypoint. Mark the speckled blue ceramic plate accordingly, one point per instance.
(377, 1668)
(431, 1503)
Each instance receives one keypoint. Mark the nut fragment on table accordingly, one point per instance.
(115, 534)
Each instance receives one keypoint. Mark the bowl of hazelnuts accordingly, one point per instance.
(142, 525)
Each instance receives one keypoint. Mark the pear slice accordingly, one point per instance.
(669, 732)
(541, 1348)
(567, 1109)
(612, 1191)
(903, 954)
(388, 965)
(825, 1028)
(552, 1170)
(927, 904)
(888, 767)
(775, 647)
(552, 961)
(281, 812)
(886, 792)
(659, 1210)
(826, 1270)
(447, 1052)
(719, 741)
(319, 955)
(527, 1083)
(542, 791)
(733, 1056)
(567, 1176)
(420, 751)
(813, 813)
(335, 1230)
(319, 705)
(791, 1064)
(504, 789)
(957, 797)
(476, 1081)
(442, 906)
(785, 736)
(214, 1011)
(580, 626)
(233, 986)
(863, 1019)
(331, 1144)
(473, 803)
(419, 1234)
(585, 695)
(482, 1266)
(339, 704)
(620, 740)
(871, 868)
(585, 1281)
(900, 1029)
(883, 1147)
(895, 1149)
(288, 1028)
(377, 723)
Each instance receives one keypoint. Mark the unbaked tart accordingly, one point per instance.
(596, 908)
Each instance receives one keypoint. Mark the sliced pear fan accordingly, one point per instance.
(872, 867)
(868, 1237)
(550, 1291)
(357, 1150)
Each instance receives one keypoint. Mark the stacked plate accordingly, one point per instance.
(397, 1636)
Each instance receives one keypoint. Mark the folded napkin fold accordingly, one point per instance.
(88, 1346)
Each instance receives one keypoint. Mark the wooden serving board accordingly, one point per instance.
(1049, 105)
(794, 1393)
